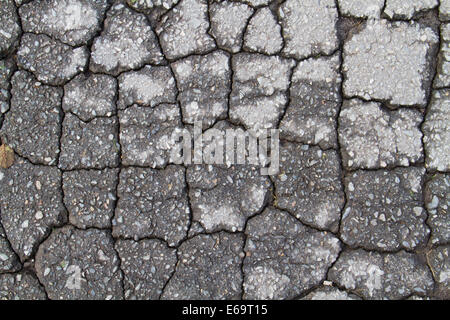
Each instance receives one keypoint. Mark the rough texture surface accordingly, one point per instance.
(309, 27)
(361, 8)
(147, 266)
(260, 84)
(127, 42)
(183, 30)
(439, 262)
(117, 123)
(149, 86)
(309, 185)
(9, 261)
(263, 33)
(437, 133)
(146, 134)
(208, 268)
(407, 9)
(76, 264)
(32, 126)
(398, 68)
(444, 10)
(71, 21)
(20, 286)
(228, 20)
(152, 203)
(6, 71)
(10, 31)
(204, 83)
(314, 103)
(90, 96)
(283, 257)
(372, 137)
(386, 214)
(89, 145)
(31, 204)
(382, 276)
(89, 196)
(437, 202)
(443, 76)
(330, 293)
(223, 198)
(51, 61)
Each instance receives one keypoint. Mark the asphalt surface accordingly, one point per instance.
(94, 207)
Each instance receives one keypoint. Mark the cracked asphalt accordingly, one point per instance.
(90, 90)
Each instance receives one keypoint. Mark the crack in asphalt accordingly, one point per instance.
(274, 5)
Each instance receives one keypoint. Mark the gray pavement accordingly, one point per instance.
(95, 206)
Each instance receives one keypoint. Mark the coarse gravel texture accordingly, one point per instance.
(96, 205)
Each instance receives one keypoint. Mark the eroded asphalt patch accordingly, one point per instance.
(360, 91)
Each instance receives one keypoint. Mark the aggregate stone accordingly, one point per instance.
(399, 70)
(386, 214)
(443, 65)
(94, 193)
(31, 204)
(184, 30)
(20, 286)
(409, 8)
(263, 33)
(309, 185)
(147, 266)
(209, 268)
(126, 42)
(283, 257)
(152, 203)
(146, 134)
(204, 84)
(382, 276)
(75, 264)
(259, 90)
(89, 196)
(7, 68)
(71, 21)
(437, 202)
(9, 261)
(439, 262)
(51, 61)
(89, 145)
(32, 125)
(149, 86)
(330, 293)
(373, 137)
(314, 103)
(9, 27)
(90, 96)
(361, 8)
(309, 27)
(436, 131)
(228, 22)
(223, 198)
